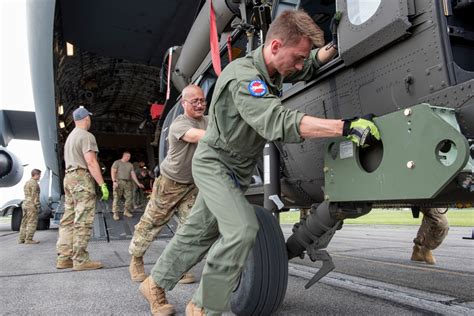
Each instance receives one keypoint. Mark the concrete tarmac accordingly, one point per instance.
(373, 276)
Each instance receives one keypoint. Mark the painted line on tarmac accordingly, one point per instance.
(432, 302)
(8, 234)
(411, 266)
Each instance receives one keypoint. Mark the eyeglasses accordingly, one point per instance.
(195, 102)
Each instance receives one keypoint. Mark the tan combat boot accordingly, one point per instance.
(193, 310)
(417, 255)
(156, 297)
(428, 255)
(21, 241)
(31, 242)
(116, 216)
(88, 265)
(127, 213)
(64, 264)
(137, 269)
(187, 278)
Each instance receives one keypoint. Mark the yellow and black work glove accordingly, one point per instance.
(105, 192)
(361, 130)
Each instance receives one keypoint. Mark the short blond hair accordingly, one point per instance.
(293, 25)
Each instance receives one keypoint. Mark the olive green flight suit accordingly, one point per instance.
(222, 221)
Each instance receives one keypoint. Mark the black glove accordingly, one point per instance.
(361, 130)
(333, 27)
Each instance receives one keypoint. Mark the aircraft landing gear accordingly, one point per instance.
(314, 233)
(262, 284)
(17, 215)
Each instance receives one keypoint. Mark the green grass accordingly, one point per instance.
(456, 217)
(5, 219)
(462, 217)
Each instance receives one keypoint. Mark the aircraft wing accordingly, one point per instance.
(17, 125)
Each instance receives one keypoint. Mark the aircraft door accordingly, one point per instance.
(368, 25)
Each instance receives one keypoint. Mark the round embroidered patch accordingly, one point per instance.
(257, 88)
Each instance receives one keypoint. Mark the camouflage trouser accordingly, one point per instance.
(434, 228)
(75, 228)
(167, 198)
(125, 189)
(28, 222)
(134, 193)
(139, 195)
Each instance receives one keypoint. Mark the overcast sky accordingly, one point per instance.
(15, 87)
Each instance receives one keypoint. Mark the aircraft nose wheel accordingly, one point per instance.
(262, 285)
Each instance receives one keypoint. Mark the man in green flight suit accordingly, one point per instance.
(245, 112)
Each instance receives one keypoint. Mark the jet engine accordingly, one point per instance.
(11, 169)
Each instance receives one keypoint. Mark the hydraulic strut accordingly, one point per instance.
(314, 233)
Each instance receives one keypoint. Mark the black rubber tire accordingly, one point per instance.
(17, 215)
(43, 224)
(262, 284)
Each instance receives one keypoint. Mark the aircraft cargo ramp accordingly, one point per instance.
(107, 229)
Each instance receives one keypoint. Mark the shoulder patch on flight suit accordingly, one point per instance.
(257, 88)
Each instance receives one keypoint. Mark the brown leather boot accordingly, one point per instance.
(417, 255)
(193, 310)
(137, 269)
(127, 213)
(64, 264)
(88, 265)
(187, 278)
(156, 297)
(428, 255)
(31, 242)
(116, 216)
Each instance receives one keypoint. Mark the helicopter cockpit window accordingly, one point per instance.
(359, 11)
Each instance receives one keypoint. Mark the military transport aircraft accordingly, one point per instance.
(409, 62)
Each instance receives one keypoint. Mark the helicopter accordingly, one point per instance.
(408, 62)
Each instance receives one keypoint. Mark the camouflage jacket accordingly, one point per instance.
(32, 193)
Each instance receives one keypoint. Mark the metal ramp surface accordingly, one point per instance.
(107, 229)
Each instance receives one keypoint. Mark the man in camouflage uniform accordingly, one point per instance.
(246, 111)
(30, 208)
(174, 190)
(122, 175)
(138, 194)
(433, 229)
(82, 168)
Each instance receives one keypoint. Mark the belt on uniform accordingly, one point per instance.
(124, 179)
(75, 169)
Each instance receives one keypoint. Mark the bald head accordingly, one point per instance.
(193, 101)
(191, 90)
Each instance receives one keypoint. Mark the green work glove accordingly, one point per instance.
(361, 130)
(105, 192)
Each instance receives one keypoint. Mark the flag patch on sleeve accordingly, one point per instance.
(257, 88)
